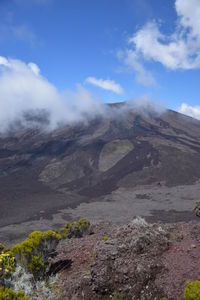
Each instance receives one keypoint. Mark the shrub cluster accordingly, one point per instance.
(32, 254)
(74, 229)
(7, 263)
(9, 294)
(197, 208)
(192, 290)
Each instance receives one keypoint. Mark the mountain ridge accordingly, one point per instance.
(109, 157)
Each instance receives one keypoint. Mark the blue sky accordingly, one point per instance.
(115, 49)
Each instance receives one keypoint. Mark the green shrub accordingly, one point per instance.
(192, 290)
(105, 238)
(94, 253)
(9, 294)
(119, 296)
(32, 253)
(197, 208)
(74, 229)
(35, 265)
(7, 264)
(2, 248)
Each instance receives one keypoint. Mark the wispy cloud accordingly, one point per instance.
(189, 110)
(181, 50)
(109, 85)
(10, 31)
(33, 2)
(131, 60)
(23, 33)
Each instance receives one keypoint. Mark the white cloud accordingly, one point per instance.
(189, 13)
(192, 111)
(3, 61)
(143, 76)
(34, 68)
(24, 91)
(181, 50)
(109, 85)
(28, 99)
(10, 31)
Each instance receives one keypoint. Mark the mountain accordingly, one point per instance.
(129, 162)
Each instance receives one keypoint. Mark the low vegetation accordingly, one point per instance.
(106, 238)
(33, 253)
(192, 290)
(9, 294)
(197, 208)
(74, 229)
(31, 257)
(7, 265)
(119, 296)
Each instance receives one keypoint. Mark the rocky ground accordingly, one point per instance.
(133, 261)
(156, 203)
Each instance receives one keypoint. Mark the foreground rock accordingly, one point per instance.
(136, 261)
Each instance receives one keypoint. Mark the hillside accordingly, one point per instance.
(130, 162)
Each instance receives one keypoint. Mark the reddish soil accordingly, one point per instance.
(170, 260)
(182, 260)
(81, 252)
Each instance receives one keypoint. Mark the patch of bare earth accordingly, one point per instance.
(80, 251)
(138, 261)
(181, 260)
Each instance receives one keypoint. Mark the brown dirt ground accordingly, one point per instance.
(180, 261)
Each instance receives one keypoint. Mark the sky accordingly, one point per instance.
(107, 50)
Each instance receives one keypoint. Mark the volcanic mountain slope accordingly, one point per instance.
(107, 159)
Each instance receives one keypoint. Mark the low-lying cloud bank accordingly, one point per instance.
(27, 98)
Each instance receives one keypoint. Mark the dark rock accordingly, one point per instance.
(60, 265)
